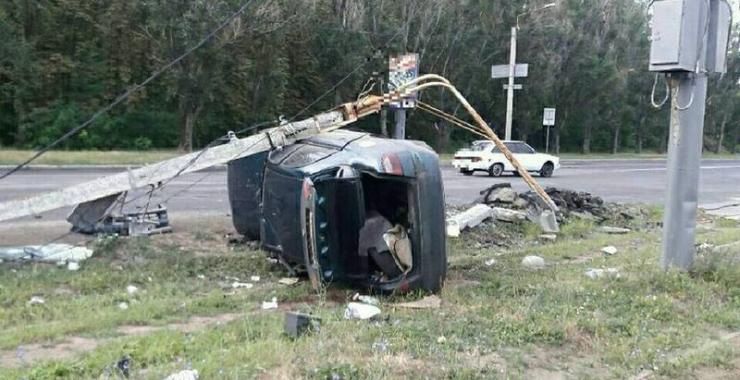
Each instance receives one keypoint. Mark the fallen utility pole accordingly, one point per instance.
(156, 174)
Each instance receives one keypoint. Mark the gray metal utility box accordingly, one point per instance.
(676, 48)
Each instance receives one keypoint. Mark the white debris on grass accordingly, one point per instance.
(548, 237)
(49, 253)
(73, 266)
(441, 340)
(357, 310)
(131, 290)
(609, 250)
(123, 306)
(613, 230)
(255, 278)
(490, 262)
(428, 302)
(366, 299)
(599, 273)
(533, 262)
(188, 374)
(36, 300)
(288, 281)
(240, 285)
(269, 305)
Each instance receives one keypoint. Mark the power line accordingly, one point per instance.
(128, 93)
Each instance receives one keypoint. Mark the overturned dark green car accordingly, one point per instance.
(347, 207)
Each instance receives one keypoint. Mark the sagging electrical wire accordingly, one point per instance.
(665, 98)
(433, 80)
(129, 92)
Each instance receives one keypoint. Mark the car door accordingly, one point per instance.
(524, 154)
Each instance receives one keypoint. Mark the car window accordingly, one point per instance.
(513, 147)
(480, 146)
(527, 149)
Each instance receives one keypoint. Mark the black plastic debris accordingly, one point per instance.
(124, 365)
(297, 324)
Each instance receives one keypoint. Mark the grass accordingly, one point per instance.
(502, 321)
(86, 157)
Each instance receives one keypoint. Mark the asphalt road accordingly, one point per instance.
(638, 181)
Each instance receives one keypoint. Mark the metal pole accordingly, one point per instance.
(383, 112)
(399, 132)
(689, 91)
(510, 90)
(547, 139)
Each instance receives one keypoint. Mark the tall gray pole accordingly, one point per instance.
(399, 132)
(689, 92)
(510, 90)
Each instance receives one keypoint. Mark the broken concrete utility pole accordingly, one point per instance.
(689, 40)
(154, 175)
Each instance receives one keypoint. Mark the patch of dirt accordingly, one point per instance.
(31, 354)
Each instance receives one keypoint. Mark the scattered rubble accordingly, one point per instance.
(548, 237)
(73, 266)
(357, 310)
(469, 218)
(288, 281)
(188, 374)
(269, 305)
(441, 340)
(613, 230)
(36, 300)
(533, 262)
(428, 302)
(240, 285)
(609, 250)
(131, 290)
(599, 273)
(490, 262)
(49, 253)
(123, 306)
(255, 278)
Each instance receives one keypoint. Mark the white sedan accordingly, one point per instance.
(484, 156)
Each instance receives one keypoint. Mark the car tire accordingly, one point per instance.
(496, 170)
(547, 169)
(466, 172)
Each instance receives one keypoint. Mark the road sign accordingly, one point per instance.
(403, 68)
(548, 117)
(521, 70)
(516, 86)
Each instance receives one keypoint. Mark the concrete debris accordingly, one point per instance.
(188, 374)
(609, 250)
(366, 299)
(73, 266)
(441, 340)
(255, 278)
(508, 215)
(469, 218)
(613, 230)
(288, 281)
(36, 300)
(428, 302)
(546, 219)
(362, 311)
(490, 262)
(131, 290)
(240, 285)
(123, 306)
(533, 262)
(297, 324)
(498, 193)
(49, 253)
(599, 273)
(269, 305)
(548, 237)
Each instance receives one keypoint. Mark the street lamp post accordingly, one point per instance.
(512, 70)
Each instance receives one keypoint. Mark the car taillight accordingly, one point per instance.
(392, 164)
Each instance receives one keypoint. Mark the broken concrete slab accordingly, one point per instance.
(548, 237)
(508, 215)
(357, 310)
(188, 374)
(468, 218)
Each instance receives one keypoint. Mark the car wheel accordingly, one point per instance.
(547, 169)
(496, 170)
(466, 172)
